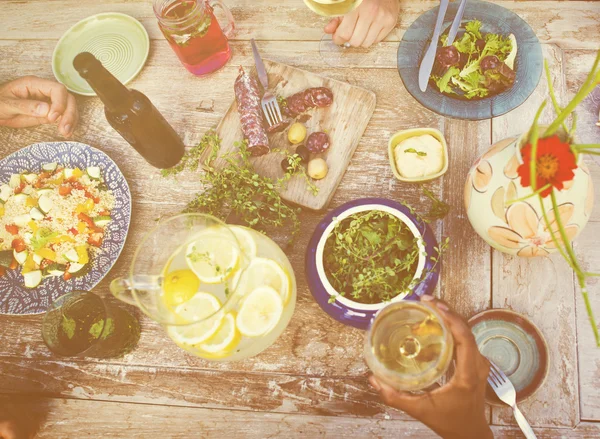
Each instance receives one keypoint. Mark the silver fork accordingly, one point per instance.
(269, 102)
(508, 395)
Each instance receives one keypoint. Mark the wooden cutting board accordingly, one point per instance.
(345, 121)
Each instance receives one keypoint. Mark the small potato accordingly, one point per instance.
(296, 133)
(317, 169)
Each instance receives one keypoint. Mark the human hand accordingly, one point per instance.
(457, 409)
(368, 24)
(31, 101)
(8, 430)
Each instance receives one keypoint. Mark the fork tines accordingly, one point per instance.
(272, 111)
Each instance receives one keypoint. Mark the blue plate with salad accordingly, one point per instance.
(65, 209)
(492, 67)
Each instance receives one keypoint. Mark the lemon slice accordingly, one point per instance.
(246, 241)
(212, 257)
(263, 272)
(198, 308)
(260, 312)
(225, 339)
(179, 286)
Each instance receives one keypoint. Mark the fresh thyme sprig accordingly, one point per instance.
(236, 188)
(438, 210)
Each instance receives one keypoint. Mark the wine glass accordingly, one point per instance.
(333, 54)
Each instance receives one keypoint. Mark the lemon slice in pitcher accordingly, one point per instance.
(196, 309)
(246, 241)
(213, 257)
(179, 286)
(224, 340)
(260, 312)
(263, 272)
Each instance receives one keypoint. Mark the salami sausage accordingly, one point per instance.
(317, 142)
(310, 98)
(247, 96)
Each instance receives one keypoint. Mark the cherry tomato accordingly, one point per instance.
(44, 264)
(20, 188)
(63, 190)
(78, 186)
(19, 245)
(12, 229)
(67, 275)
(73, 230)
(95, 239)
(86, 219)
(104, 213)
(38, 184)
(13, 264)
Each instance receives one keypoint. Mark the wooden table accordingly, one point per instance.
(311, 383)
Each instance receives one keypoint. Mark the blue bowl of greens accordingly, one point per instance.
(368, 253)
(492, 67)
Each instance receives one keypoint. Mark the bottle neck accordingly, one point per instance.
(108, 88)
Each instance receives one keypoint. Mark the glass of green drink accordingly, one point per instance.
(81, 323)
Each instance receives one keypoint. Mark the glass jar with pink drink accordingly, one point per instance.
(194, 33)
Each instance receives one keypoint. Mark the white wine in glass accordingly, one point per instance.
(408, 346)
(332, 8)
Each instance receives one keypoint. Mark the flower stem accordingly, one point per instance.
(534, 144)
(587, 273)
(589, 85)
(557, 107)
(588, 151)
(588, 307)
(552, 234)
(533, 194)
(585, 145)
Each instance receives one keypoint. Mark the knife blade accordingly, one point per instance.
(429, 58)
(260, 66)
(456, 23)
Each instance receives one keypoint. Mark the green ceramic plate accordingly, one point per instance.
(119, 41)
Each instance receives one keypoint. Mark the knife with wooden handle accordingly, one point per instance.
(429, 58)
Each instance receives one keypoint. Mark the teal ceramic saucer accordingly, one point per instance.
(516, 346)
(119, 41)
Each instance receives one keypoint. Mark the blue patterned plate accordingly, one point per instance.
(494, 19)
(348, 311)
(14, 297)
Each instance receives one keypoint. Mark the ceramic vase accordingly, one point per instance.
(519, 228)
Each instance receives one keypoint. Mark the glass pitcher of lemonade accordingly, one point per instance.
(221, 292)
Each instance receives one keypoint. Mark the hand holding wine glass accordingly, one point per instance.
(366, 25)
(457, 409)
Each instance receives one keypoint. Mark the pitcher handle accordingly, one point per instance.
(228, 30)
(122, 290)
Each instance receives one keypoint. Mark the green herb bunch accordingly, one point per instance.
(371, 257)
(233, 187)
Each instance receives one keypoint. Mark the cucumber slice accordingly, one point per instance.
(6, 257)
(20, 256)
(72, 256)
(50, 167)
(55, 270)
(30, 178)
(74, 267)
(93, 172)
(20, 198)
(102, 220)
(37, 259)
(68, 173)
(44, 191)
(32, 279)
(15, 180)
(22, 220)
(5, 192)
(45, 203)
(36, 214)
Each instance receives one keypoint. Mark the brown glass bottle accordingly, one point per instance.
(132, 115)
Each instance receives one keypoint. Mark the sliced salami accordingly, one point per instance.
(247, 96)
(310, 98)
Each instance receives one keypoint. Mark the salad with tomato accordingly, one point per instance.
(53, 222)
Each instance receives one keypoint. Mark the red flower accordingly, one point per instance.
(555, 164)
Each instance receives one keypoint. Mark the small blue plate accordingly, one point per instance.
(343, 309)
(494, 19)
(14, 297)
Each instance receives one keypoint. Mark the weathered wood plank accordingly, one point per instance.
(264, 20)
(542, 288)
(62, 418)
